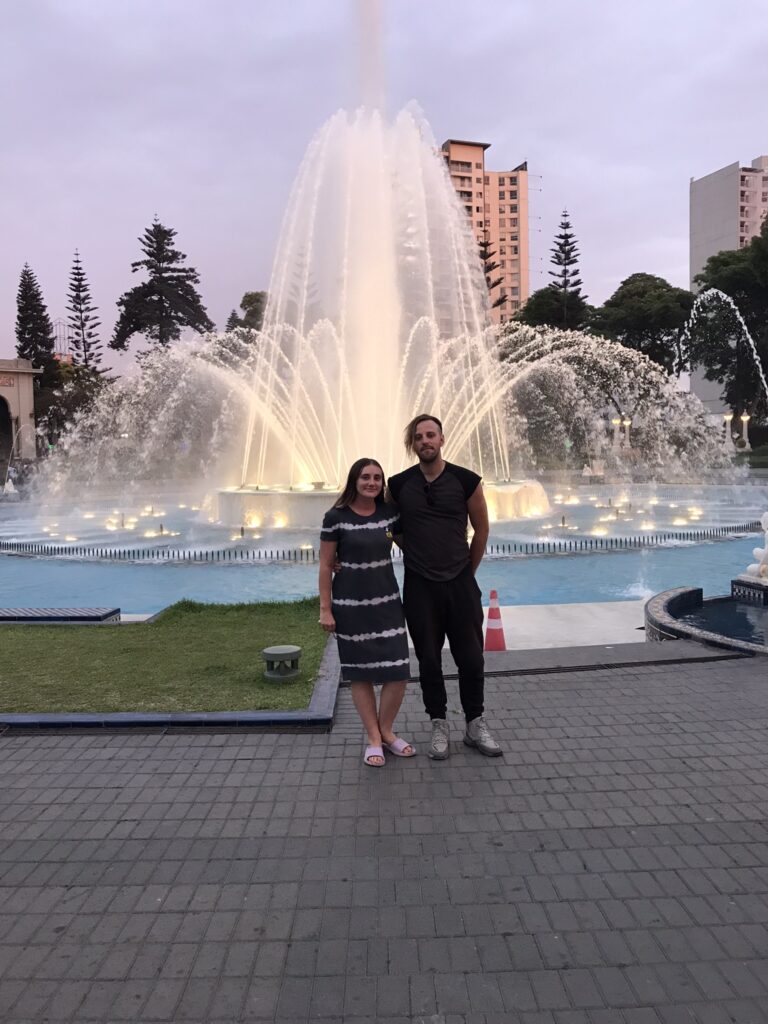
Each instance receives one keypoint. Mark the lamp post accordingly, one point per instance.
(727, 436)
(616, 423)
(745, 418)
(627, 423)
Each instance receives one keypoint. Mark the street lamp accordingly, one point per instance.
(745, 418)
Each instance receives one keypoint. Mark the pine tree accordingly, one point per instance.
(34, 331)
(83, 323)
(567, 283)
(167, 301)
(487, 258)
(233, 321)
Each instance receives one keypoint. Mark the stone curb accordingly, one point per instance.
(316, 717)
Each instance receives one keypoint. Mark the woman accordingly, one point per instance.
(362, 605)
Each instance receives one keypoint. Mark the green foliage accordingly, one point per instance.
(565, 257)
(253, 305)
(490, 266)
(34, 331)
(549, 308)
(233, 321)
(717, 341)
(560, 303)
(83, 323)
(167, 301)
(647, 314)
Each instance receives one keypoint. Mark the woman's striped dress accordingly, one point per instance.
(370, 627)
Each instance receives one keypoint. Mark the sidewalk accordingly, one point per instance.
(609, 869)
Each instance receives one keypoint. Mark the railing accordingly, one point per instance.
(239, 554)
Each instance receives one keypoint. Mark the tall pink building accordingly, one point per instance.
(497, 205)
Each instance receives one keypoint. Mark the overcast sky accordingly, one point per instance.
(199, 111)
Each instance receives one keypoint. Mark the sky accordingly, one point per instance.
(113, 112)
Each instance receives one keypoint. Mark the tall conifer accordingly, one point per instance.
(34, 331)
(83, 323)
(165, 303)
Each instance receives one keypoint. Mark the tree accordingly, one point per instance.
(34, 331)
(233, 321)
(167, 301)
(717, 340)
(487, 258)
(560, 303)
(253, 305)
(648, 314)
(83, 323)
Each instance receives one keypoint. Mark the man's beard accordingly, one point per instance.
(429, 456)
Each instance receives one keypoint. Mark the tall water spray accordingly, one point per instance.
(377, 310)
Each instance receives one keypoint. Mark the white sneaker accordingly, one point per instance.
(438, 746)
(479, 735)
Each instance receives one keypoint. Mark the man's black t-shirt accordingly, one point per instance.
(434, 519)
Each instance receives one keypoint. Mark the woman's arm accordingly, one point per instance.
(327, 559)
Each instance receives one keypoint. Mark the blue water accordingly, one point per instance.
(557, 579)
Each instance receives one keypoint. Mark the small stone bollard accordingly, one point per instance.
(282, 662)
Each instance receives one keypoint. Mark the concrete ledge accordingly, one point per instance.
(316, 717)
(662, 623)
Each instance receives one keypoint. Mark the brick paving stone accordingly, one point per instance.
(609, 869)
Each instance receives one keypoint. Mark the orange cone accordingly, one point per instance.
(494, 631)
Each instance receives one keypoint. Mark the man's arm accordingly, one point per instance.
(478, 517)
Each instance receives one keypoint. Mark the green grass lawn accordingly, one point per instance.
(194, 657)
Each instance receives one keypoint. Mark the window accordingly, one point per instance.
(502, 263)
(478, 209)
(478, 181)
(513, 180)
(513, 208)
(502, 194)
(478, 195)
(514, 250)
(513, 194)
(513, 222)
(479, 223)
(502, 222)
(502, 209)
(502, 250)
(501, 180)
(515, 291)
(514, 238)
(478, 167)
(487, 223)
(486, 180)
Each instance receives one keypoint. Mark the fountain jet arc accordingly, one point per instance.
(377, 310)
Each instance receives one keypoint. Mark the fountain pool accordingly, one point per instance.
(116, 573)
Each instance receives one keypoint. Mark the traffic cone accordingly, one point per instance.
(494, 631)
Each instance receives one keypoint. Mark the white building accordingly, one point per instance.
(727, 208)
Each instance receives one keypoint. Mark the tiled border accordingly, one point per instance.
(316, 717)
(661, 622)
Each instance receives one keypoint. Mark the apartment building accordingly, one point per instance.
(497, 206)
(727, 208)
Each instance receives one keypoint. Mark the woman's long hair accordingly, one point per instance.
(349, 492)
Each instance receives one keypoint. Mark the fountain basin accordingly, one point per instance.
(277, 508)
(684, 614)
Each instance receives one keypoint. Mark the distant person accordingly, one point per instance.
(362, 605)
(440, 594)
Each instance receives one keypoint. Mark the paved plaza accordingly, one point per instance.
(611, 868)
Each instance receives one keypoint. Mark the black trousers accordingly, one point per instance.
(435, 610)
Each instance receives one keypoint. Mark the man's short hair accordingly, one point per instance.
(409, 433)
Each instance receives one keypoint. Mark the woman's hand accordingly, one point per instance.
(327, 621)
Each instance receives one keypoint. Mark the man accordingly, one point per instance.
(440, 595)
